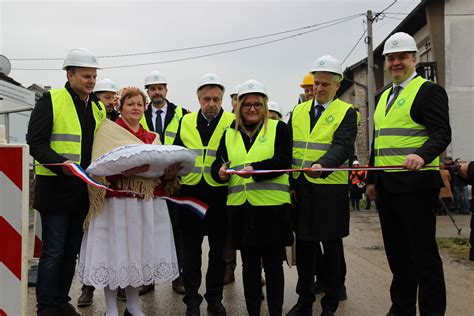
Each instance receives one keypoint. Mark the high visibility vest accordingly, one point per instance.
(171, 129)
(396, 134)
(310, 145)
(66, 136)
(275, 191)
(205, 155)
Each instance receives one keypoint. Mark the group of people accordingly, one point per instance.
(134, 238)
(454, 193)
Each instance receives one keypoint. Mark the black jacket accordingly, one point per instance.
(59, 193)
(214, 197)
(256, 226)
(430, 109)
(322, 211)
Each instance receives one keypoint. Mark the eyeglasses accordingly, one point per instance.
(248, 106)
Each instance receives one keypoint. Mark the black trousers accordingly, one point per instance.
(272, 258)
(408, 223)
(319, 268)
(191, 260)
(306, 262)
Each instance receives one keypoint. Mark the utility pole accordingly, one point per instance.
(370, 76)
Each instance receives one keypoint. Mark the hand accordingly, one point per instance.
(370, 192)
(413, 162)
(135, 170)
(66, 170)
(246, 168)
(222, 173)
(172, 171)
(463, 169)
(314, 174)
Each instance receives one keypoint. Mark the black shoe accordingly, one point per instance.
(192, 310)
(121, 295)
(342, 293)
(144, 289)
(68, 310)
(216, 308)
(49, 312)
(126, 312)
(327, 312)
(178, 285)
(86, 297)
(301, 309)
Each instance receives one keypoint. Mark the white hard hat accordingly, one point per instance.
(327, 63)
(210, 79)
(105, 85)
(235, 90)
(399, 42)
(252, 86)
(155, 77)
(80, 57)
(275, 107)
(355, 162)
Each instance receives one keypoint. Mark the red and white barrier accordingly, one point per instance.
(14, 200)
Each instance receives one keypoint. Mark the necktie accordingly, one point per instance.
(159, 124)
(320, 109)
(395, 93)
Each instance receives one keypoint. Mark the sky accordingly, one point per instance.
(44, 29)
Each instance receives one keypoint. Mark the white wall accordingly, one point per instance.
(459, 45)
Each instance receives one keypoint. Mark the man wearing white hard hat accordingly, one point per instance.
(201, 132)
(411, 129)
(323, 131)
(106, 90)
(61, 129)
(274, 111)
(161, 115)
(234, 97)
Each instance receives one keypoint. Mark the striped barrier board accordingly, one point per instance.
(14, 200)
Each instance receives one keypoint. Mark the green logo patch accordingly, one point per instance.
(330, 119)
(262, 139)
(401, 102)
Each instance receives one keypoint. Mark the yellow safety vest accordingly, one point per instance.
(172, 128)
(310, 145)
(274, 191)
(205, 155)
(66, 136)
(396, 134)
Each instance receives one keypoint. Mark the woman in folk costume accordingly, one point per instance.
(258, 204)
(128, 239)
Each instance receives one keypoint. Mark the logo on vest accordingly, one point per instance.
(262, 139)
(400, 102)
(330, 119)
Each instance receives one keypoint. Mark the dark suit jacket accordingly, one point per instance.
(322, 211)
(430, 109)
(169, 115)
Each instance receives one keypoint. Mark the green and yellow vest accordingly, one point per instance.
(310, 145)
(205, 155)
(66, 136)
(396, 134)
(172, 128)
(275, 191)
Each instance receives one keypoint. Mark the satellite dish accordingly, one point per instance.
(5, 66)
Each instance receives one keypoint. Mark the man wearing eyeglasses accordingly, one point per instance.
(323, 131)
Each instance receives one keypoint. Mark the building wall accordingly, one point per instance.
(459, 47)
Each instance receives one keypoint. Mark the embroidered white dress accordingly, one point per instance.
(129, 243)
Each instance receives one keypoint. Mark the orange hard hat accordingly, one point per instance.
(308, 80)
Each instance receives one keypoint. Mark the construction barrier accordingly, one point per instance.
(14, 204)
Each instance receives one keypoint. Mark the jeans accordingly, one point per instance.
(62, 236)
(461, 198)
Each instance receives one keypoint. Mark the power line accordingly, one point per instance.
(202, 46)
(434, 14)
(216, 53)
(357, 43)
